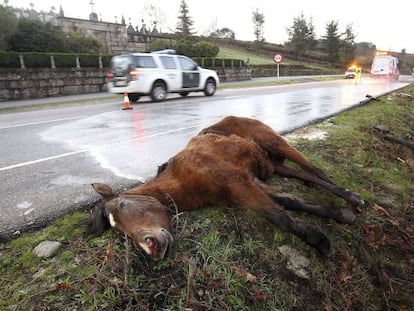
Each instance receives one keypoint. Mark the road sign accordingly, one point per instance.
(278, 58)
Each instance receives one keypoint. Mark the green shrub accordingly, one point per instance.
(63, 60)
(106, 60)
(89, 60)
(42, 60)
(211, 62)
(36, 60)
(289, 70)
(187, 47)
(9, 60)
(159, 45)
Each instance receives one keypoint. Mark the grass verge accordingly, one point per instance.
(228, 259)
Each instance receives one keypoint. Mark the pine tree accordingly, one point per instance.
(258, 23)
(332, 42)
(185, 23)
(301, 36)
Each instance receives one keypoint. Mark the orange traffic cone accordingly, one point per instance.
(127, 104)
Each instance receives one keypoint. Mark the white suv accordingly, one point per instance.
(156, 74)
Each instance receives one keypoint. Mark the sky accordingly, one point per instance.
(385, 24)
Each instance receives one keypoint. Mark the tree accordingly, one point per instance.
(223, 33)
(35, 36)
(348, 45)
(185, 23)
(79, 43)
(301, 35)
(258, 23)
(155, 15)
(332, 42)
(365, 48)
(8, 25)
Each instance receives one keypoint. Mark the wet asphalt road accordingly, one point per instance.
(49, 157)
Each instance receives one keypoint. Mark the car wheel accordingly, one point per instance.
(210, 87)
(133, 97)
(184, 94)
(159, 91)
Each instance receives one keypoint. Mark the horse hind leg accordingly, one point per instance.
(283, 149)
(351, 197)
(342, 215)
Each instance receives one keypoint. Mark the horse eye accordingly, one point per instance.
(122, 204)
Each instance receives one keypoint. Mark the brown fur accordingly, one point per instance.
(226, 164)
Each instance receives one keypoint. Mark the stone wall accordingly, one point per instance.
(31, 83)
(234, 74)
(112, 36)
(37, 83)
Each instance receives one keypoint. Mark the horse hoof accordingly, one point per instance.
(345, 216)
(355, 199)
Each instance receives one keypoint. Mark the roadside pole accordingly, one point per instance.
(278, 58)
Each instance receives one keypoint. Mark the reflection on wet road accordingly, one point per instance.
(133, 143)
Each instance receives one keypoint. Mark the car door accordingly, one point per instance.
(190, 73)
(172, 71)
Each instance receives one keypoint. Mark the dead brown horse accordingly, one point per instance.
(226, 164)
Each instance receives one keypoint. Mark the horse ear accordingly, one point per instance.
(104, 190)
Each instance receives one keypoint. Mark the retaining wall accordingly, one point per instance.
(31, 83)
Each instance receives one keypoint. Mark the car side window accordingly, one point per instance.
(187, 64)
(145, 62)
(168, 62)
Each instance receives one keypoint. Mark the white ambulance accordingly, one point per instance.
(385, 66)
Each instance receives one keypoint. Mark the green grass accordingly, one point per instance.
(226, 258)
(238, 53)
(258, 58)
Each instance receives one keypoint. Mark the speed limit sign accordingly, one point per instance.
(278, 58)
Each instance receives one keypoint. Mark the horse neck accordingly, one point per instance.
(165, 191)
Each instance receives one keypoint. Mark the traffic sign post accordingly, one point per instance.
(278, 58)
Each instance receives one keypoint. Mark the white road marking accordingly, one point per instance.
(41, 122)
(63, 155)
(6, 168)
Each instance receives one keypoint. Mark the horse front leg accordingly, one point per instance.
(253, 198)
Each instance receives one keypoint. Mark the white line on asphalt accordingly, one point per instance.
(6, 168)
(41, 122)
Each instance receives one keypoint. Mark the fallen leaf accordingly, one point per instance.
(374, 234)
(109, 254)
(62, 286)
(379, 210)
(247, 276)
(259, 296)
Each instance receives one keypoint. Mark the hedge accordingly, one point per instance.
(209, 62)
(65, 60)
(43, 60)
(9, 60)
